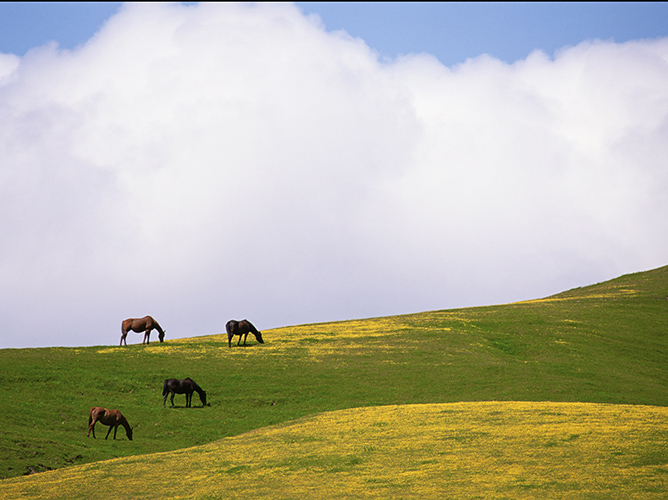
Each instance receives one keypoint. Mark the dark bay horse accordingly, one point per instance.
(112, 418)
(186, 386)
(243, 327)
(145, 324)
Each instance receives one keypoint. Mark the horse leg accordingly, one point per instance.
(173, 399)
(105, 437)
(91, 427)
(147, 334)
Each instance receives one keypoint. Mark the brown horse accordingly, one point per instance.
(243, 327)
(145, 324)
(112, 418)
(186, 386)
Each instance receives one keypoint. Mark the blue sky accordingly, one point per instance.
(452, 31)
(227, 161)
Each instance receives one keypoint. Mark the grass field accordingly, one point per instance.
(606, 344)
(450, 450)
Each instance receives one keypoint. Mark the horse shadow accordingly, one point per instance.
(184, 407)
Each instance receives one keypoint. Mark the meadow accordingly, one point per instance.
(563, 397)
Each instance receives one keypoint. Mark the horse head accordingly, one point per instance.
(161, 336)
(258, 336)
(128, 431)
(202, 396)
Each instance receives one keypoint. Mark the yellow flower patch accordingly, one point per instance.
(613, 294)
(459, 450)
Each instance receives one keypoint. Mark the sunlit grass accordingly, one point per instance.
(456, 450)
(614, 293)
(601, 344)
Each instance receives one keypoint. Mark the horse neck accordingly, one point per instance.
(157, 327)
(197, 388)
(124, 422)
(252, 328)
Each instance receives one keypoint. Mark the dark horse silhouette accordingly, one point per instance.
(186, 386)
(145, 324)
(243, 327)
(112, 418)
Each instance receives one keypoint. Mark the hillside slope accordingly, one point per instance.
(452, 450)
(607, 343)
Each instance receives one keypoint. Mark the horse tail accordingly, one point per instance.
(229, 326)
(165, 389)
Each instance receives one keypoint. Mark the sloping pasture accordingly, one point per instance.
(449, 450)
(607, 343)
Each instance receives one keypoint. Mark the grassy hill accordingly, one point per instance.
(451, 450)
(607, 343)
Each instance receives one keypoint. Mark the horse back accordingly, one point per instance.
(105, 416)
(134, 324)
(246, 326)
(189, 385)
(239, 327)
(178, 386)
(139, 324)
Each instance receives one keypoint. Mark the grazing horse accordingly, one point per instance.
(112, 418)
(243, 327)
(186, 386)
(145, 324)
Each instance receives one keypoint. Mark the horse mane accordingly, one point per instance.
(251, 327)
(124, 422)
(197, 387)
(158, 327)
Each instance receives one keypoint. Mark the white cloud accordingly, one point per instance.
(231, 160)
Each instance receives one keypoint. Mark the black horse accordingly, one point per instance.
(186, 386)
(243, 327)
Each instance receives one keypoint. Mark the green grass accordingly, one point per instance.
(453, 450)
(607, 343)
